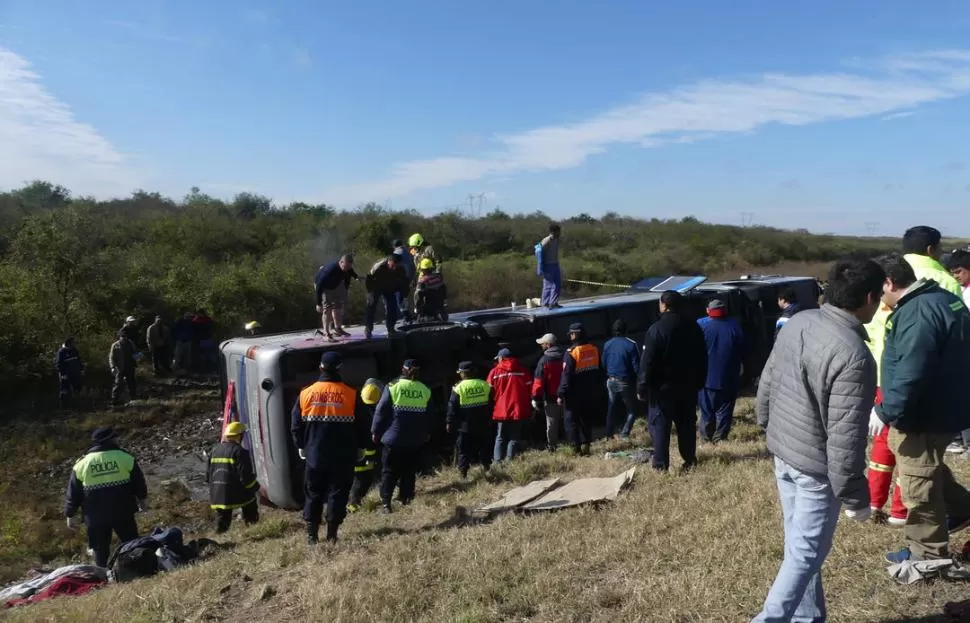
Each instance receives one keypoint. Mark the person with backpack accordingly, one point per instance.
(547, 267)
(108, 486)
(232, 480)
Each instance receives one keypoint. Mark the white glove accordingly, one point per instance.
(302, 455)
(535, 405)
(875, 424)
(72, 523)
(860, 515)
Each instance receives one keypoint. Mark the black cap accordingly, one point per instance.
(576, 327)
(411, 364)
(331, 359)
(102, 435)
(466, 366)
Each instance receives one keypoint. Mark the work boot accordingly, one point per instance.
(311, 534)
(585, 450)
(340, 331)
(386, 508)
(464, 473)
(368, 334)
(332, 532)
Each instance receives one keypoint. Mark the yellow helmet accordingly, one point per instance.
(235, 429)
(415, 240)
(426, 264)
(371, 392)
(252, 324)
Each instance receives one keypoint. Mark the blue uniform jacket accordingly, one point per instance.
(725, 352)
(398, 427)
(330, 443)
(110, 505)
(68, 362)
(621, 358)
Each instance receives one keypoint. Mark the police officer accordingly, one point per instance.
(109, 488)
(232, 480)
(401, 425)
(470, 416)
(328, 426)
(368, 458)
(581, 388)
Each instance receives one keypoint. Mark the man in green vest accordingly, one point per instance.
(402, 425)
(109, 488)
(470, 416)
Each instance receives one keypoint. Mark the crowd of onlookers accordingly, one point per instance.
(186, 346)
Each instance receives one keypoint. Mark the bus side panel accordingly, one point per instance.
(274, 424)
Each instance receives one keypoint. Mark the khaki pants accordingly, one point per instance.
(929, 491)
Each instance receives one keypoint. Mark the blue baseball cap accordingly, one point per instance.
(410, 364)
(465, 366)
(503, 353)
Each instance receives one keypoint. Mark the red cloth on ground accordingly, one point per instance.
(66, 585)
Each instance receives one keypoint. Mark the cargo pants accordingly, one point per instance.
(930, 491)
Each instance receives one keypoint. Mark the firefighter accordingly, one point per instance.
(401, 425)
(430, 293)
(580, 389)
(470, 418)
(328, 426)
(253, 328)
(415, 243)
(368, 458)
(109, 488)
(70, 371)
(232, 481)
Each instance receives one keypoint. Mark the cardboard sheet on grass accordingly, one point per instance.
(542, 495)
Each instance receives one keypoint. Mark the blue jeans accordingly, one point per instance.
(811, 512)
(508, 432)
(551, 285)
(622, 404)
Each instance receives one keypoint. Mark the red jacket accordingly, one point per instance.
(548, 374)
(510, 383)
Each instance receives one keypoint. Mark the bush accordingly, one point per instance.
(78, 267)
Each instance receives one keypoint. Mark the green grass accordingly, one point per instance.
(698, 547)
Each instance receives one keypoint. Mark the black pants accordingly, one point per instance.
(330, 485)
(123, 379)
(475, 447)
(99, 538)
(400, 469)
(161, 359)
(70, 388)
(673, 409)
(363, 481)
(579, 427)
(250, 513)
(390, 310)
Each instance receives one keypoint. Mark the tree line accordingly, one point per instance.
(78, 266)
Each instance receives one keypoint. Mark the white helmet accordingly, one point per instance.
(131, 319)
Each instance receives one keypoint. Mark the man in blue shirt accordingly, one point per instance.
(621, 357)
(725, 349)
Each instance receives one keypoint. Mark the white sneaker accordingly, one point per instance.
(955, 448)
(896, 522)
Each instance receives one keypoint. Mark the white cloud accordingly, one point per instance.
(888, 87)
(898, 115)
(41, 139)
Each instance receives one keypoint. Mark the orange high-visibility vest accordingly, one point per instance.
(328, 401)
(586, 356)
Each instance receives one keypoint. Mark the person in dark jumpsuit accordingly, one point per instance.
(70, 371)
(232, 480)
(401, 426)
(369, 458)
(581, 389)
(470, 418)
(328, 425)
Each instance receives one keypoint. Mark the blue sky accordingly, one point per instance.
(832, 116)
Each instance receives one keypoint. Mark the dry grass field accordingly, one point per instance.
(698, 547)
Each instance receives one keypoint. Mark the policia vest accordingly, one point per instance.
(473, 405)
(100, 471)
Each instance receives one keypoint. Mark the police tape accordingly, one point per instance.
(597, 283)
